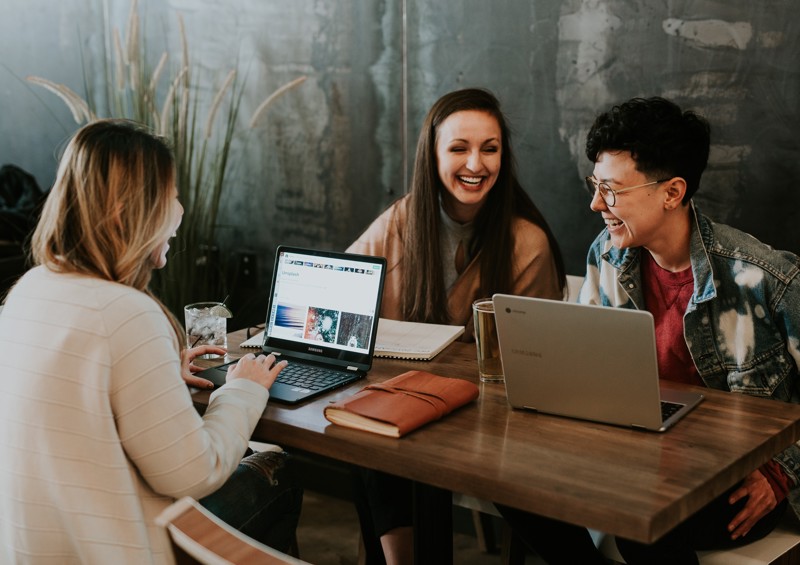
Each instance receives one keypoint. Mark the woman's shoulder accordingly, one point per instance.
(396, 212)
(82, 289)
(112, 300)
(528, 235)
(83, 298)
(383, 229)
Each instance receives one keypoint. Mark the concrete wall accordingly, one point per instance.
(334, 152)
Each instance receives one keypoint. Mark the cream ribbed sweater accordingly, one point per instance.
(97, 429)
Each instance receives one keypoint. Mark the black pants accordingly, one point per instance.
(561, 543)
(707, 529)
(383, 502)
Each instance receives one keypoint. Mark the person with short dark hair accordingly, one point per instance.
(726, 307)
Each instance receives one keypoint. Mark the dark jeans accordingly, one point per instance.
(260, 499)
(707, 529)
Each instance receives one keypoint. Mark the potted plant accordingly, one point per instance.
(173, 106)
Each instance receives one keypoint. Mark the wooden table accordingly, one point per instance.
(632, 484)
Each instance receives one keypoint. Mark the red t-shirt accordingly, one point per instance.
(666, 296)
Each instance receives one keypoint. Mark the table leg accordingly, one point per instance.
(433, 525)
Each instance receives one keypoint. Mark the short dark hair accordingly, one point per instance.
(663, 140)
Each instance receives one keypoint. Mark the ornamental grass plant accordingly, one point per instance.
(169, 98)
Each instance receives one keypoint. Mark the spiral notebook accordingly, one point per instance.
(413, 340)
(400, 340)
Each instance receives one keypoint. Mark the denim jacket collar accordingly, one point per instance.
(627, 261)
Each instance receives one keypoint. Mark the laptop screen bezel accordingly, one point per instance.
(315, 353)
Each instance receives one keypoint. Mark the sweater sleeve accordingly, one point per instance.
(177, 452)
(383, 239)
(787, 319)
(382, 236)
(534, 271)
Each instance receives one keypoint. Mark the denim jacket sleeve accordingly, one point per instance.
(787, 318)
(728, 265)
(751, 345)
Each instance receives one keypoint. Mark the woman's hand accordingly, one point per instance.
(262, 369)
(188, 367)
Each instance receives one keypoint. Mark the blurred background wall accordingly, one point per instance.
(335, 151)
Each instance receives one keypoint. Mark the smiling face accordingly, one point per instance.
(637, 219)
(468, 153)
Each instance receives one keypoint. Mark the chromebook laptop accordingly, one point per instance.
(588, 362)
(322, 317)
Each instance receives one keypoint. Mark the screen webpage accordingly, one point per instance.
(324, 299)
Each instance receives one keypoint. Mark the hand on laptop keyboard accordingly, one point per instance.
(312, 378)
(261, 369)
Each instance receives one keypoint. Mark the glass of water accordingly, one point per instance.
(206, 324)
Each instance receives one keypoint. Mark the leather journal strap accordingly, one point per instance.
(437, 402)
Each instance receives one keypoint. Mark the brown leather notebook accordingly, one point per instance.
(402, 404)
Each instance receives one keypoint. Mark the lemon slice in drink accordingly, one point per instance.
(221, 310)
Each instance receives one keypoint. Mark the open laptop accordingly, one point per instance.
(588, 362)
(322, 317)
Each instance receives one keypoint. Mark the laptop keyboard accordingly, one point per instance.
(312, 378)
(668, 409)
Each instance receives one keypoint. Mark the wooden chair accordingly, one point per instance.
(197, 536)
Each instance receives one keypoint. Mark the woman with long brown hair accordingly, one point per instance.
(98, 433)
(466, 230)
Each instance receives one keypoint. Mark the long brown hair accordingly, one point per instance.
(424, 297)
(110, 207)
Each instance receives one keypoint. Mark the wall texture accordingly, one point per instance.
(333, 153)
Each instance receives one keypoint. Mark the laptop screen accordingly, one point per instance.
(324, 304)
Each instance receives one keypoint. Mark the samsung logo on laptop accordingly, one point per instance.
(509, 311)
(315, 349)
(526, 352)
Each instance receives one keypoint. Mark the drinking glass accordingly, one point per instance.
(205, 325)
(490, 366)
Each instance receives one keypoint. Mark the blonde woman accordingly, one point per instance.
(97, 429)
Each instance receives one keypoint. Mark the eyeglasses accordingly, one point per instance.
(608, 194)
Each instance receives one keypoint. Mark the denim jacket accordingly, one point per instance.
(742, 325)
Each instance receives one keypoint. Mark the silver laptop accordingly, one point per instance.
(589, 362)
(322, 317)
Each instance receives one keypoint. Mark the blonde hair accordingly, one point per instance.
(110, 207)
